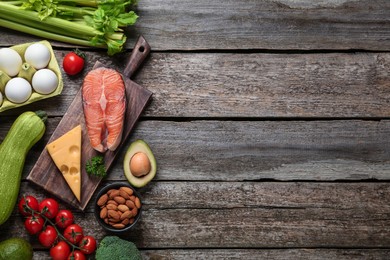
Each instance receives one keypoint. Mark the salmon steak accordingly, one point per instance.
(104, 105)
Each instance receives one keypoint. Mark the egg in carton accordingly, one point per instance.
(28, 72)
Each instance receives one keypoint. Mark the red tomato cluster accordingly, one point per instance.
(46, 220)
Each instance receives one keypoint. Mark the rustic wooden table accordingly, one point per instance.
(270, 123)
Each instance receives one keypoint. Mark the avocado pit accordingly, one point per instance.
(140, 164)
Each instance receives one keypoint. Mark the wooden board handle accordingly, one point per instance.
(140, 51)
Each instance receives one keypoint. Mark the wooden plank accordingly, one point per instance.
(324, 85)
(257, 150)
(252, 215)
(277, 254)
(255, 254)
(253, 24)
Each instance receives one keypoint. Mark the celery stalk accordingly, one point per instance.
(97, 23)
(46, 34)
(50, 21)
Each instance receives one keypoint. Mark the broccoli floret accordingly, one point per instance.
(115, 248)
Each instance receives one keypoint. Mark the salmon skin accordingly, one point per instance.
(104, 105)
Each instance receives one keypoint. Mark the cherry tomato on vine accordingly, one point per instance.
(64, 218)
(76, 255)
(74, 234)
(48, 236)
(60, 251)
(28, 201)
(87, 245)
(73, 62)
(49, 207)
(34, 224)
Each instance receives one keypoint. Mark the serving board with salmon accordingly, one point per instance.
(106, 120)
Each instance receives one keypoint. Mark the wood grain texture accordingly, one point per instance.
(257, 150)
(237, 215)
(270, 126)
(253, 85)
(254, 24)
(255, 254)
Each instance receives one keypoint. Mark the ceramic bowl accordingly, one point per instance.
(110, 196)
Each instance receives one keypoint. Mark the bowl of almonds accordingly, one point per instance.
(118, 207)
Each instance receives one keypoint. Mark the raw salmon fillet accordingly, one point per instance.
(104, 104)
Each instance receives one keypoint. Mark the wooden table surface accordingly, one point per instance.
(270, 123)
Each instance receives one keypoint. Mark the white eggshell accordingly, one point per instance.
(10, 61)
(1, 99)
(44, 81)
(37, 55)
(18, 90)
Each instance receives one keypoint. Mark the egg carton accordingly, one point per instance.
(35, 96)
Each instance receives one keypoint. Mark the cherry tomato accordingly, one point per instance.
(34, 224)
(64, 218)
(74, 234)
(49, 207)
(87, 245)
(28, 202)
(60, 251)
(76, 255)
(73, 62)
(48, 236)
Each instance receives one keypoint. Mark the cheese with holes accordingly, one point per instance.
(66, 154)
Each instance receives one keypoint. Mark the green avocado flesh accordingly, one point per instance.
(15, 248)
(136, 147)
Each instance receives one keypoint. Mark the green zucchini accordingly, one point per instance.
(27, 129)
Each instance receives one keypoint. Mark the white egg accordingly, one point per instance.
(1, 99)
(37, 55)
(44, 81)
(18, 90)
(10, 61)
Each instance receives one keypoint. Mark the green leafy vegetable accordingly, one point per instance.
(96, 167)
(113, 247)
(97, 23)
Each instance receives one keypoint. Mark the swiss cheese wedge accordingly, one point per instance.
(66, 154)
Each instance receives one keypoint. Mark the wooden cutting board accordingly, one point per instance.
(45, 173)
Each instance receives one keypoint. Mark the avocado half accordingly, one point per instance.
(139, 146)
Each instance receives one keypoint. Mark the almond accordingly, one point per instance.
(111, 206)
(126, 215)
(131, 221)
(123, 208)
(112, 202)
(134, 211)
(127, 190)
(124, 194)
(132, 198)
(113, 214)
(114, 193)
(126, 221)
(113, 221)
(109, 192)
(118, 226)
(102, 200)
(103, 213)
(137, 203)
(130, 204)
(119, 199)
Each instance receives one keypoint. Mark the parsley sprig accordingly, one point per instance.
(95, 166)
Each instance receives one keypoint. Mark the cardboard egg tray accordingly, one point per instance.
(53, 65)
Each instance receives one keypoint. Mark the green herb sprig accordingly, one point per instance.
(96, 167)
